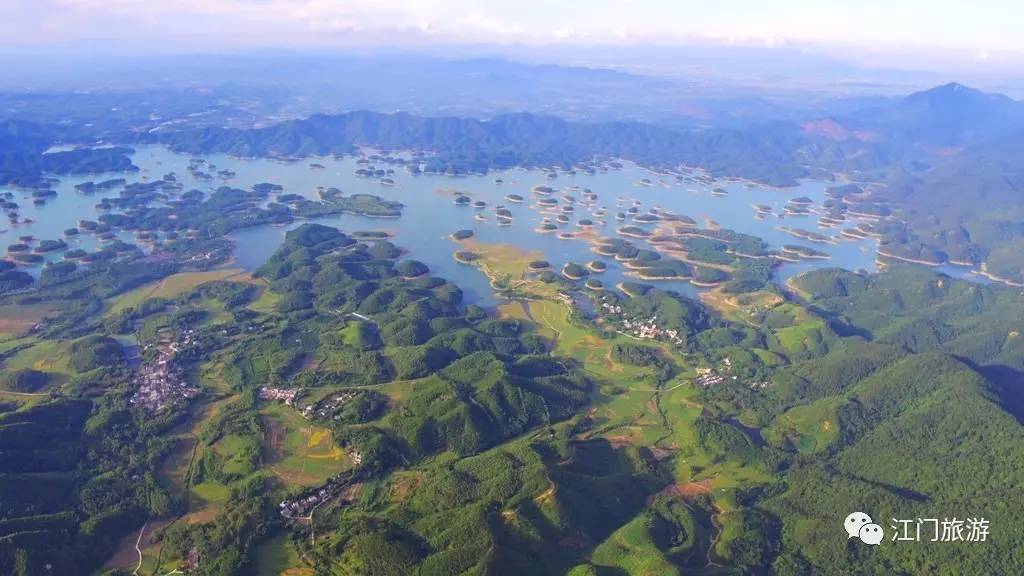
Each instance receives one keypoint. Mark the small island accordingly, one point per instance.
(634, 232)
(466, 256)
(633, 289)
(803, 252)
(371, 235)
(574, 271)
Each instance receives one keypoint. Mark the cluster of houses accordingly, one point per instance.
(161, 383)
(203, 256)
(303, 505)
(708, 377)
(286, 395)
(649, 330)
(642, 328)
(327, 408)
(322, 410)
(354, 456)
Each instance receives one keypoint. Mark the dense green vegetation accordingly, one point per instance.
(477, 445)
(465, 145)
(24, 161)
(651, 434)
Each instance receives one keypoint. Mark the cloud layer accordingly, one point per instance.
(982, 28)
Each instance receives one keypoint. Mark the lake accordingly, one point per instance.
(430, 213)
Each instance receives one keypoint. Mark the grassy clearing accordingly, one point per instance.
(17, 401)
(175, 285)
(792, 285)
(278, 557)
(397, 390)
(205, 502)
(210, 492)
(231, 448)
(300, 453)
(45, 355)
(502, 262)
(15, 319)
(631, 550)
(573, 341)
(811, 428)
(127, 558)
(9, 344)
(768, 358)
(805, 335)
(742, 307)
(211, 377)
(266, 303)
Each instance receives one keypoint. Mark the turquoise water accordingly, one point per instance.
(430, 213)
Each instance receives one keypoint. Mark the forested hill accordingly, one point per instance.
(764, 152)
(922, 408)
(968, 208)
(947, 115)
(24, 160)
(455, 441)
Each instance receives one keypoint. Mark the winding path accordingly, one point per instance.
(139, 550)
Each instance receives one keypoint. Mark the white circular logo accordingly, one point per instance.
(854, 522)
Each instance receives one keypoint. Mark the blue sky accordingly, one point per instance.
(982, 31)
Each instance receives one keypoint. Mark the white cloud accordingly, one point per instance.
(982, 26)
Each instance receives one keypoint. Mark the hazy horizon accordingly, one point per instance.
(649, 37)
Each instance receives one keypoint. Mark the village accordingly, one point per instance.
(327, 408)
(161, 382)
(302, 506)
(709, 376)
(286, 395)
(638, 327)
(324, 409)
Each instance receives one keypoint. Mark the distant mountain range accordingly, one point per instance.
(951, 115)
(933, 123)
(462, 145)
